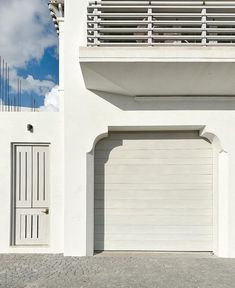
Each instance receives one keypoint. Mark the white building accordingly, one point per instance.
(142, 153)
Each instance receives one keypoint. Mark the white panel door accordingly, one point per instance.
(31, 210)
(153, 191)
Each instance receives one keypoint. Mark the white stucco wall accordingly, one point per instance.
(47, 128)
(89, 115)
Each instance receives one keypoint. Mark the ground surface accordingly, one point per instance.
(117, 270)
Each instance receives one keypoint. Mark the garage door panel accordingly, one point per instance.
(151, 178)
(158, 211)
(154, 220)
(120, 153)
(152, 237)
(132, 229)
(147, 161)
(154, 169)
(153, 191)
(170, 245)
(151, 186)
(153, 194)
(148, 203)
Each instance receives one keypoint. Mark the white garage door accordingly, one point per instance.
(153, 191)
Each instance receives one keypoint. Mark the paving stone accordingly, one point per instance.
(123, 270)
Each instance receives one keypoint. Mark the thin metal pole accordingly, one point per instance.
(3, 83)
(11, 100)
(8, 88)
(14, 103)
(31, 102)
(0, 83)
(20, 97)
(5, 86)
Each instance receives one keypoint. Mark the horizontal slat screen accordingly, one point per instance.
(151, 23)
(153, 191)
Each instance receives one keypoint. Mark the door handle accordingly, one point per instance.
(46, 211)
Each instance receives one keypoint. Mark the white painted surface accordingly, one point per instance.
(32, 227)
(41, 176)
(47, 129)
(23, 176)
(146, 200)
(89, 115)
(150, 79)
(31, 191)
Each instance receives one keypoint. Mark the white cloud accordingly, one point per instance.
(30, 84)
(39, 87)
(51, 102)
(49, 77)
(25, 31)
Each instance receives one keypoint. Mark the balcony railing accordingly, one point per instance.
(152, 23)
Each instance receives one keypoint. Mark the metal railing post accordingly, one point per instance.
(204, 26)
(150, 25)
(96, 33)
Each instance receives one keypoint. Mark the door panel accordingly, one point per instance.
(23, 181)
(31, 226)
(40, 177)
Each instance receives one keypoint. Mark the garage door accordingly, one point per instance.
(153, 191)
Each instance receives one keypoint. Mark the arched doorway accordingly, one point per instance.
(153, 191)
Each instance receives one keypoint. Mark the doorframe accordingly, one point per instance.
(12, 185)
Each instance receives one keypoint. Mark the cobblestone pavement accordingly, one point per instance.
(117, 270)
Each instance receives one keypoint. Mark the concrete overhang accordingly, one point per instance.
(160, 71)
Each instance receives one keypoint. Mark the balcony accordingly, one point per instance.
(138, 48)
(154, 23)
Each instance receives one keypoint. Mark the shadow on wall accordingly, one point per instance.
(132, 103)
(102, 151)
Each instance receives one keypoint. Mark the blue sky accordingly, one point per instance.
(29, 43)
(46, 68)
